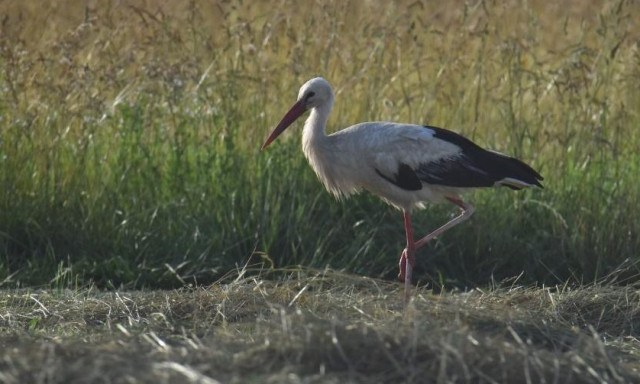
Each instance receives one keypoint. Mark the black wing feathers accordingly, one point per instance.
(453, 138)
(406, 178)
(479, 169)
(474, 166)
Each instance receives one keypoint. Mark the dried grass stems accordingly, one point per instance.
(129, 159)
(128, 134)
(321, 326)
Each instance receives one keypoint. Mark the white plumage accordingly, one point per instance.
(406, 165)
(353, 159)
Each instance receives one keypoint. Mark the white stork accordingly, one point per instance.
(404, 164)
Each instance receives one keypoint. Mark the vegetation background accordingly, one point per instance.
(130, 136)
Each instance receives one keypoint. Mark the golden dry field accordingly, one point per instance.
(144, 237)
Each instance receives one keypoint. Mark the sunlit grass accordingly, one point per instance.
(130, 137)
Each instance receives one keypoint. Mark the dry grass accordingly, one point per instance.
(129, 157)
(323, 326)
(130, 132)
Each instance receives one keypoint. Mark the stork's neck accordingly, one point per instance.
(314, 134)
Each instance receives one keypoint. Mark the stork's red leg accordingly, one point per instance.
(410, 246)
(407, 259)
(409, 253)
(466, 212)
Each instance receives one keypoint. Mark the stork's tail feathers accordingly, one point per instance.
(516, 174)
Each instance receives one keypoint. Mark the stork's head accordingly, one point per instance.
(315, 93)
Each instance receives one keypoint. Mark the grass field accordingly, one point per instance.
(131, 133)
(130, 162)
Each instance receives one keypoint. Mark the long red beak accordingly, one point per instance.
(296, 111)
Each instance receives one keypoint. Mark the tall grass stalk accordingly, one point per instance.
(130, 135)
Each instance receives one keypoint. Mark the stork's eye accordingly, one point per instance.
(310, 95)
